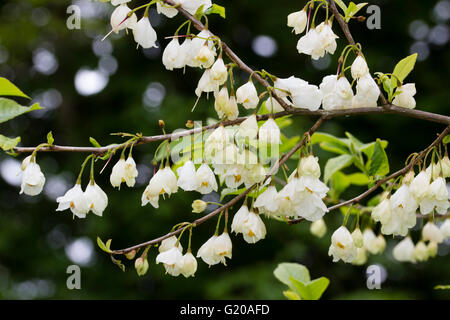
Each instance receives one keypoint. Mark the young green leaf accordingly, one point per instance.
(379, 163)
(336, 164)
(342, 5)
(103, 246)
(50, 138)
(334, 147)
(10, 109)
(94, 142)
(353, 9)
(8, 143)
(291, 295)
(118, 263)
(7, 88)
(285, 271)
(403, 68)
(446, 139)
(215, 8)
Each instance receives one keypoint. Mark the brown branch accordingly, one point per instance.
(233, 201)
(400, 172)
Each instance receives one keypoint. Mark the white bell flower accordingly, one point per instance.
(403, 217)
(216, 249)
(205, 84)
(216, 142)
(172, 261)
(318, 41)
(287, 86)
(431, 232)
(205, 179)
(124, 171)
(382, 212)
(359, 68)
(165, 9)
(144, 34)
(309, 166)
(370, 241)
(186, 176)
(420, 185)
(434, 170)
(119, 20)
(445, 229)
(163, 182)
(192, 6)
(196, 44)
(173, 56)
(405, 98)
(96, 198)
(308, 201)
(342, 246)
(226, 107)
(33, 179)
(445, 164)
(307, 96)
(318, 228)
(285, 198)
(205, 56)
(420, 252)
(249, 224)
(357, 237)
(298, 21)
(269, 133)
(169, 243)
(432, 249)
(74, 199)
(248, 128)
(254, 173)
(219, 72)
(247, 95)
(436, 198)
(361, 257)
(380, 243)
(337, 93)
(267, 201)
(327, 38)
(404, 251)
(188, 265)
(367, 92)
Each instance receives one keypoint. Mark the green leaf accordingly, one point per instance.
(50, 138)
(358, 178)
(291, 295)
(353, 9)
(8, 143)
(325, 137)
(94, 142)
(379, 164)
(10, 109)
(7, 88)
(215, 8)
(334, 147)
(358, 144)
(285, 271)
(446, 139)
(369, 147)
(198, 14)
(103, 246)
(442, 287)
(227, 192)
(342, 5)
(312, 290)
(403, 68)
(336, 164)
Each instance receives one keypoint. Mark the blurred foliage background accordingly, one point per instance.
(93, 88)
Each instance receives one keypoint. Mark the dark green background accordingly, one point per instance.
(33, 264)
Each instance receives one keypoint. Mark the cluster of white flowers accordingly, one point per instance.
(301, 197)
(175, 263)
(318, 40)
(397, 213)
(144, 34)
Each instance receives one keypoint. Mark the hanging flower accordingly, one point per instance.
(298, 21)
(318, 228)
(120, 19)
(33, 179)
(192, 6)
(173, 56)
(404, 251)
(96, 198)
(249, 224)
(269, 133)
(188, 265)
(216, 249)
(167, 10)
(144, 34)
(342, 246)
(205, 179)
(124, 171)
(367, 93)
(186, 176)
(436, 198)
(337, 93)
(267, 201)
(247, 95)
(431, 232)
(164, 181)
(359, 68)
(74, 199)
(405, 98)
(219, 72)
(172, 260)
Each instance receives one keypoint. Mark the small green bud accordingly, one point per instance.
(358, 238)
(198, 206)
(130, 255)
(141, 265)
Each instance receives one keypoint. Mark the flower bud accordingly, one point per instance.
(309, 166)
(141, 265)
(445, 167)
(130, 255)
(420, 252)
(380, 243)
(432, 248)
(161, 123)
(189, 124)
(358, 238)
(409, 177)
(359, 68)
(318, 228)
(298, 21)
(198, 206)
